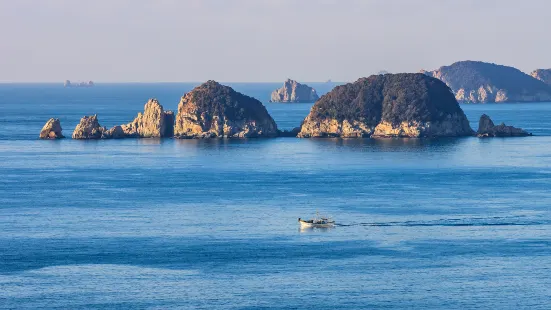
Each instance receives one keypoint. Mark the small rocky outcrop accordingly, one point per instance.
(89, 128)
(481, 82)
(543, 75)
(154, 122)
(292, 91)
(390, 105)
(52, 130)
(486, 128)
(212, 110)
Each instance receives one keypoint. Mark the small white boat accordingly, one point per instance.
(316, 222)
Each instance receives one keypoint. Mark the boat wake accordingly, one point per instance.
(456, 222)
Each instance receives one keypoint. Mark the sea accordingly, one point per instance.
(461, 223)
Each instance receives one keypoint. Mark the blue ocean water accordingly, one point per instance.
(169, 224)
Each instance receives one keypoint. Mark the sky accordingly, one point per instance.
(263, 40)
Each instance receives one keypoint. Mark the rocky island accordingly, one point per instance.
(294, 92)
(480, 82)
(390, 105)
(51, 130)
(543, 75)
(212, 110)
(406, 105)
(486, 128)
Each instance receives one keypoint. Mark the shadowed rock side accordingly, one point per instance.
(212, 110)
(486, 128)
(390, 105)
(292, 91)
(51, 130)
(169, 119)
(543, 75)
(480, 82)
(289, 133)
(153, 123)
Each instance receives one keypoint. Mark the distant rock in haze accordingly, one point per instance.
(212, 110)
(155, 122)
(390, 105)
(81, 84)
(543, 75)
(294, 92)
(480, 82)
(486, 128)
(52, 130)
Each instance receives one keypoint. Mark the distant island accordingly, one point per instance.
(79, 84)
(481, 82)
(294, 92)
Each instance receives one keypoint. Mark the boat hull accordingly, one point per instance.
(305, 224)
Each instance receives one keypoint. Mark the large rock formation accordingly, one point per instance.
(480, 82)
(292, 91)
(153, 123)
(51, 130)
(212, 110)
(89, 128)
(390, 105)
(486, 128)
(543, 75)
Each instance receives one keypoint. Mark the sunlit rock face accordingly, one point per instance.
(89, 128)
(154, 122)
(52, 130)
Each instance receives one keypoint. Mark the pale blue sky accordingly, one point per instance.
(262, 40)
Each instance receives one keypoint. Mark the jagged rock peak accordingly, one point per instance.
(154, 122)
(52, 130)
(390, 105)
(213, 110)
(89, 128)
(486, 128)
(292, 91)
